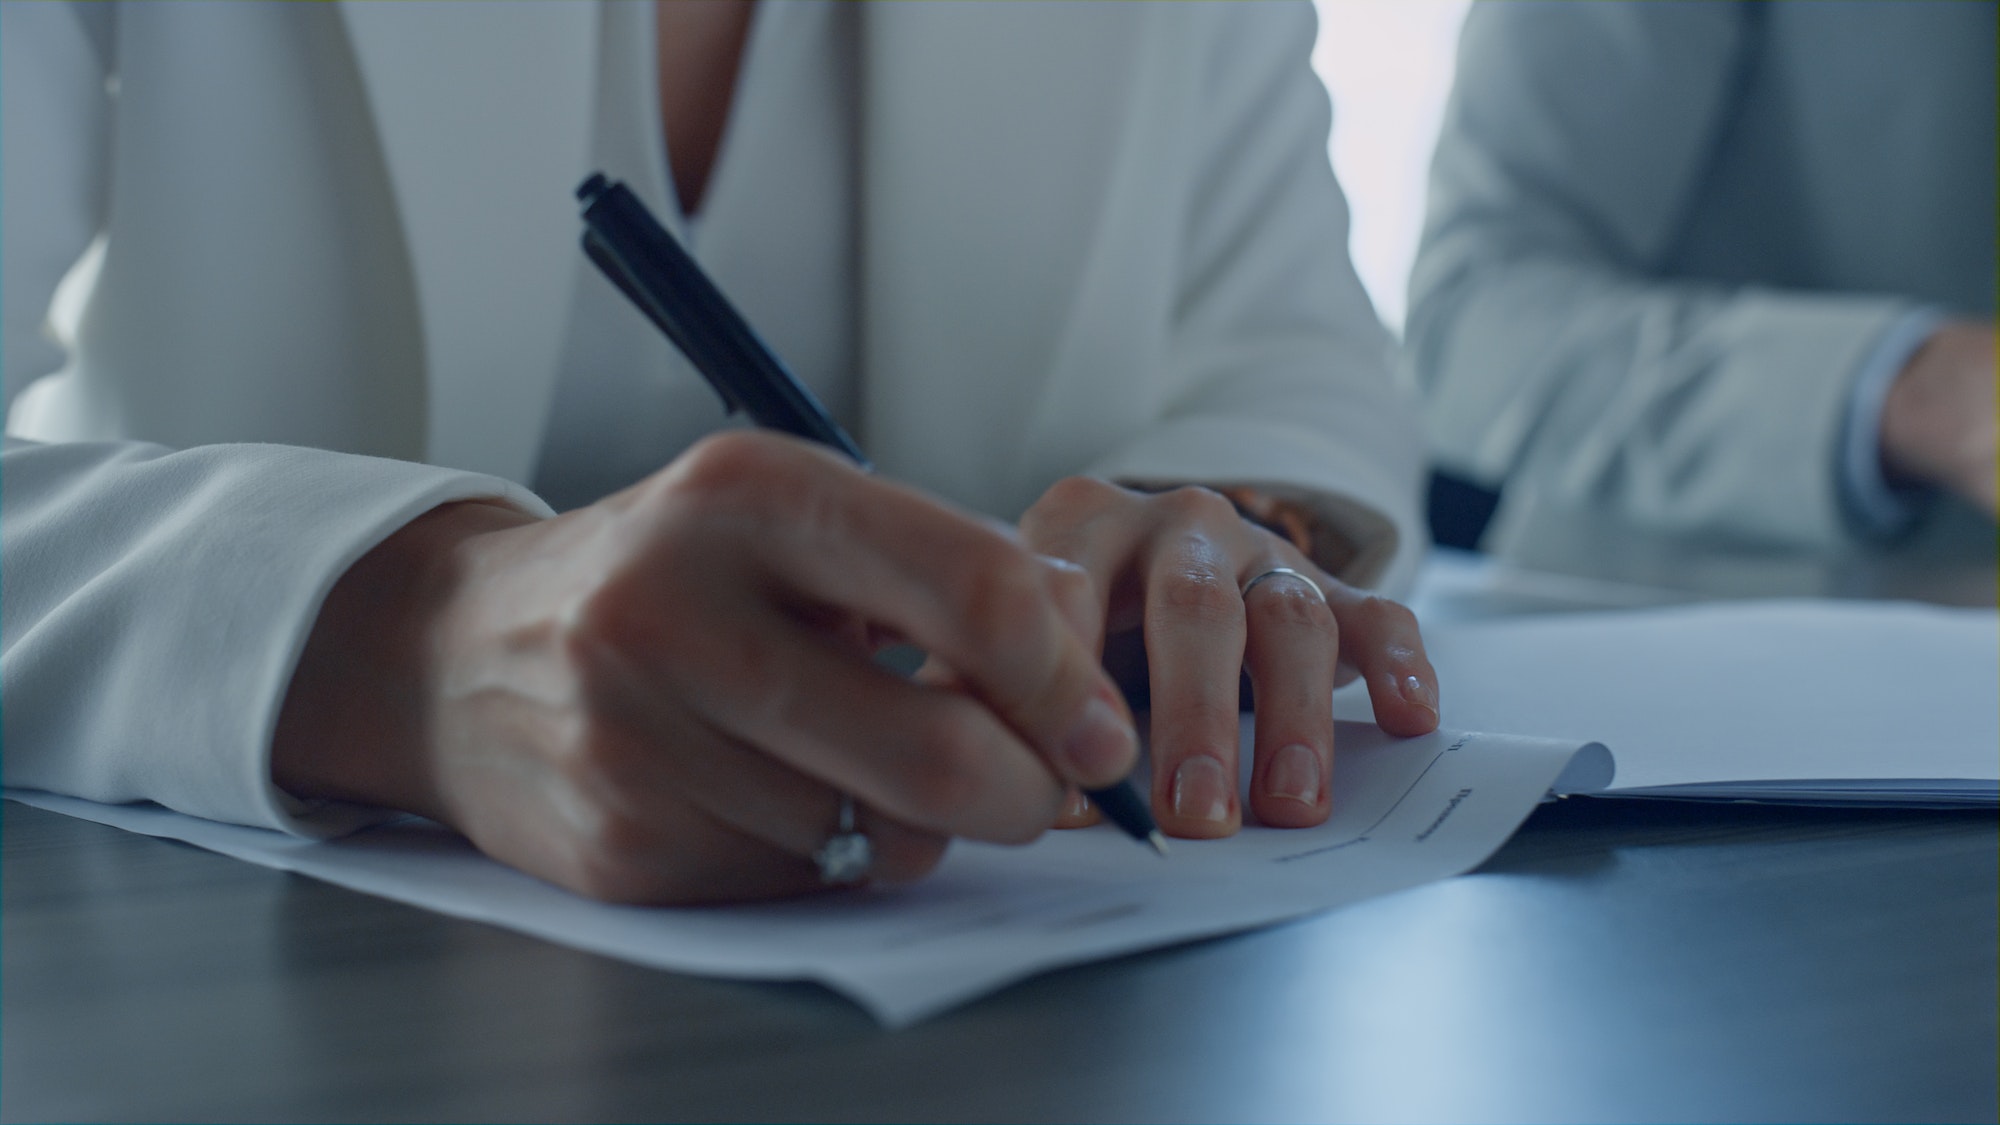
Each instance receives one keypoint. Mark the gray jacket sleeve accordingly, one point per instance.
(1554, 351)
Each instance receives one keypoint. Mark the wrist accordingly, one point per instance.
(355, 722)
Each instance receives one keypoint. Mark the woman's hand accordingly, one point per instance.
(662, 697)
(1169, 570)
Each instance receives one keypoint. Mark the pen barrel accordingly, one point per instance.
(1124, 807)
(649, 265)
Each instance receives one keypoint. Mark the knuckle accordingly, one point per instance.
(1201, 596)
(737, 471)
(727, 457)
(1064, 520)
(1197, 505)
(1082, 494)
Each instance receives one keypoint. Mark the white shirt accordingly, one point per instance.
(775, 231)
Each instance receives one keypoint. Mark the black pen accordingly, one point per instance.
(649, 266)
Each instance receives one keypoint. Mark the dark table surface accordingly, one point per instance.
(1616, 960)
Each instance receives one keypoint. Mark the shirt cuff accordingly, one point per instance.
(1874, 505)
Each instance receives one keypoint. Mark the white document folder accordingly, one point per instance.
(1809, 700)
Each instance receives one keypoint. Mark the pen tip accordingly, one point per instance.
(1158, 841)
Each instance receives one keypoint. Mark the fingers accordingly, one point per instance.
(1099, 528)
(591, 819)
(1167, 564)
(1077, 811)
(690, 857)
(684, 859)
(960, 588)
(751, 793)
(1174, 564)
(650, 805)
(1075, 594)
(1291, 654)
(931, 757)
(1381, 641)
(661, 697)
(1194, 635)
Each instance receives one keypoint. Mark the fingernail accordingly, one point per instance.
(1079, 805)
(1294, 774)
(1101, 743)
(1201, 790)
(1420, 693)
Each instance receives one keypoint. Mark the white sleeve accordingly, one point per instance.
(152, 603)
(1281, 374)
(156, 602)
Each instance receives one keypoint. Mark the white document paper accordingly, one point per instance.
(1826, 701)
(1405, 812)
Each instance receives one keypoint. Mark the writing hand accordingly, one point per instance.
(1167, 570)
(661, 697)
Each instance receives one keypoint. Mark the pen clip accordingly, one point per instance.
(608, 264)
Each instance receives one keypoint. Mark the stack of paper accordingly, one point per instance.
(1835, 702)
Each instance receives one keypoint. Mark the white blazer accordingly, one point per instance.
(1100, 238)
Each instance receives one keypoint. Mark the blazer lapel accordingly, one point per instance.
(484, 116)
(990, 137)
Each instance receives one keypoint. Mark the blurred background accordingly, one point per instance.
(1388, 65)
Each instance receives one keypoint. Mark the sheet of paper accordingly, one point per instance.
(1838, 701)
(1405, 812)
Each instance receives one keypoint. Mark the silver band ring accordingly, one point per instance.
(1284, 572)
(847, 854)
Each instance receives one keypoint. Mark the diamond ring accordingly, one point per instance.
(847, 854)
